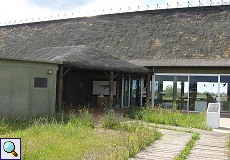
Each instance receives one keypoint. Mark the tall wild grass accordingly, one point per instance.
(168, 116)
(75, 136)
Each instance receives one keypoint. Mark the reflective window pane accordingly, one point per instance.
(171, 91)
(202, 90)
(225, 93)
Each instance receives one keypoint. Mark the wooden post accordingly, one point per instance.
(148, 89)
(117, 89)
(60, 88)
(111, 89)
(89, 89)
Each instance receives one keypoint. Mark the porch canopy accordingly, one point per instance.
(85, 57)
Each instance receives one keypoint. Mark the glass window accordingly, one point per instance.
(192, 92)
(225, 93)
(202, 90)
(171, 91)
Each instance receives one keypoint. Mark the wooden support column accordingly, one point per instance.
(148, 89)
(89, 89)
(118, 90)
(60, 88)
(111, 89)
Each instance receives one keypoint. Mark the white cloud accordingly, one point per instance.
(11, 10)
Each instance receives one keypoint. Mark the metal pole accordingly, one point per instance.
(122, 92)
(153, 89)
(188, 93)
(218, 88)
(148, 89)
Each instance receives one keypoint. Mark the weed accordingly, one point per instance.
(84, 118)
(71, 136)
(228, 144)
(169, 116)
(110, 120)
(187, 149)
(139, 135)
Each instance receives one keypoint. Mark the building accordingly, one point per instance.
(27, 87)
(170, 57)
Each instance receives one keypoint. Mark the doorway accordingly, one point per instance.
(133, 91)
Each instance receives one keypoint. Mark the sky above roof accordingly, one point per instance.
(24, 11)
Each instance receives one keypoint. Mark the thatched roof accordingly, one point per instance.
(84, 57)
(160, 36)
(219, 62)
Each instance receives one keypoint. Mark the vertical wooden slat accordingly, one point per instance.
(148, 89)
(60, 88)
(111, 89)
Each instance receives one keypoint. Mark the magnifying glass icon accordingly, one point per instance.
(9, 147)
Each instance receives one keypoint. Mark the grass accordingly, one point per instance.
(76, 137)
(139, 135)
(228, 145)
(187, 149)
(169, 117)
(83, 118)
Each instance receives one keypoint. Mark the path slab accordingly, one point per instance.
(170, 144)
(212, 145)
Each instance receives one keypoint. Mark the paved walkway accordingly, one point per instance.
(167, 147)
(210, 146)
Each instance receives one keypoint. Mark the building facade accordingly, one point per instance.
(27, 88)
(170, 57)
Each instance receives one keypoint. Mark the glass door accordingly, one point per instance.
(133, 91)
(138, 92)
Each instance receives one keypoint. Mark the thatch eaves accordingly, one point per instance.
(84, 57)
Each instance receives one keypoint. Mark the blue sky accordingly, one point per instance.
(19, 11)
